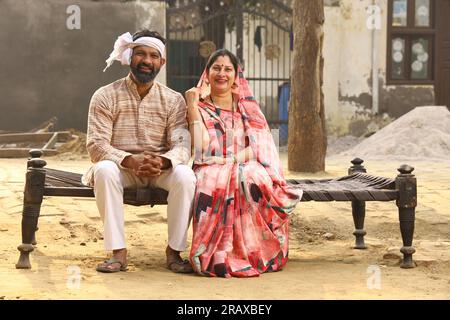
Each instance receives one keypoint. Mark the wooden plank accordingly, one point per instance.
(69, 192)
(23, 152)
(33, 137)
(46, 126)
(51, 143)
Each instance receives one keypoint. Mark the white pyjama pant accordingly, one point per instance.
(109, 183)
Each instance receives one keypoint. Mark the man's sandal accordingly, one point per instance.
(107, 266)
(180, 266)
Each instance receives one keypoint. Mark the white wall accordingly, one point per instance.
(348, 83)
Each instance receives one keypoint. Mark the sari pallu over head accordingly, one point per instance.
(257, 130)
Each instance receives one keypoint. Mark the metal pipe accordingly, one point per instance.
(375, 84)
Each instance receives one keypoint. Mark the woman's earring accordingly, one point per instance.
(235, 88)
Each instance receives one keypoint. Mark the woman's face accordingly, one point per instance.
(221, 75)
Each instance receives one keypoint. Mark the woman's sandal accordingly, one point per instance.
(180, 266)
(106, 266)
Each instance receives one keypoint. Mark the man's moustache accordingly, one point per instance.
(146, 66)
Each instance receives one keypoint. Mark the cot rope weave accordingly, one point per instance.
(357, 186)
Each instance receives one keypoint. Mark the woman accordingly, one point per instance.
(242, 202)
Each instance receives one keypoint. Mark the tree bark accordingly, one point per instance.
(307, 141)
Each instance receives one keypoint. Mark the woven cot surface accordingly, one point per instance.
(357, 186)
(69, 184)
(59, 178)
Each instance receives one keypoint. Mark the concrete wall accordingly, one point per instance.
(48, 70)
(348, 71)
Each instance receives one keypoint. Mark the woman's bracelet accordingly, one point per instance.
(194, 122)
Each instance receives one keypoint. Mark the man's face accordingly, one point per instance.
(146, 63)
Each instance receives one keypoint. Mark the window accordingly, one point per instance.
(411, 33)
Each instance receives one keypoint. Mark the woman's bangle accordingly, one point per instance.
(194, 122)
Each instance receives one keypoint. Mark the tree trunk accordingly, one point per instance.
(307, 142)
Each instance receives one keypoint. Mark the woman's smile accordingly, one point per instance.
(221, 81)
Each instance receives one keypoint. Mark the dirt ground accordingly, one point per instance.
(320, 267)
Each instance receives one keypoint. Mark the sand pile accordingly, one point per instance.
(421, 133)
(76, 145)
(75, 148)
(336, 145)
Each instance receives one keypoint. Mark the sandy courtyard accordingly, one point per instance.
(70, 245)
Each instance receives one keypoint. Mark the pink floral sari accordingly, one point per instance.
(241, 209)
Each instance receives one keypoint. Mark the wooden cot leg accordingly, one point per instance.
(34, 153)
(359, 213)
(34, 241)
(33, 195)
(358, 208)
(406, 185)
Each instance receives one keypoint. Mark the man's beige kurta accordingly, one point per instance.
(121, 123)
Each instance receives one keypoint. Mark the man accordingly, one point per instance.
(137, 137)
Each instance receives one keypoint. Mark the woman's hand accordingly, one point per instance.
(219, 160)
(192, 97)
(223, 160)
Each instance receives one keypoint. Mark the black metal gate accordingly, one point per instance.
(259, 32)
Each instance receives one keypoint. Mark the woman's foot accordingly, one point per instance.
(176, 263)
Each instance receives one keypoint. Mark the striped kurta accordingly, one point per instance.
(120, 123)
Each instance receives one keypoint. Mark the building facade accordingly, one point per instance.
(382, 57)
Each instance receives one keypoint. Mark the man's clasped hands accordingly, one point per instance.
(146, 164)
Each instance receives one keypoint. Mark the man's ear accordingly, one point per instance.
(163, 61)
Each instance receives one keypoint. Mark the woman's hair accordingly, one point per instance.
(222, 53)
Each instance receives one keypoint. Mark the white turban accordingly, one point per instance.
(123, 48)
